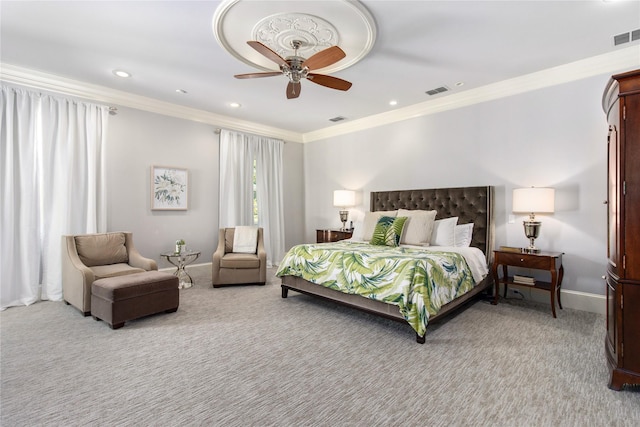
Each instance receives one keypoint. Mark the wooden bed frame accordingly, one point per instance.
(469, 204)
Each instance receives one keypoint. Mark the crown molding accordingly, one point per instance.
(61, 85)
(609, 63)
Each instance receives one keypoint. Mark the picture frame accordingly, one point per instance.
(169, 188)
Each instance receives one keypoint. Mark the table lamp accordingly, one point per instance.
(533, 200)
(344, 199)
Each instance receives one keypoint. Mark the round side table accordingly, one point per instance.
(180, 261)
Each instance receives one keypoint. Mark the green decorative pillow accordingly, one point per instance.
(388, 231)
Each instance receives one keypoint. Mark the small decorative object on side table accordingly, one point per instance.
(550, 261)
(180, 260)
(325, 235)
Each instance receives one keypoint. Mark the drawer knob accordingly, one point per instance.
(521, 260)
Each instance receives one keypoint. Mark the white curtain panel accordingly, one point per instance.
(53, 170)
(269, 172)
(238, 151)
(19, 192)
(236, 180)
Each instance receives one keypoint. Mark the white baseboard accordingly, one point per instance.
(576, 300)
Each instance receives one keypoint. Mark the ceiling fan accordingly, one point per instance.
(296, 68)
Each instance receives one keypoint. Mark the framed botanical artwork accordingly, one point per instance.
(169, 188)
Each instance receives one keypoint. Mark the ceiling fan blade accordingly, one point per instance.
(264, 50)
(293, 90)
(254, 75)
(324, 58)
(329, 81)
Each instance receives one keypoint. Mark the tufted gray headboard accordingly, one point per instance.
(469, 204)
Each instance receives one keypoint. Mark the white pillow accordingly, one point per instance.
(418, 228)
(357, 231)
(370, 221)
(462, 235)
(245, 239)
(444, 232)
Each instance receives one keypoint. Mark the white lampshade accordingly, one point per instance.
(534, 200)
(344, 198)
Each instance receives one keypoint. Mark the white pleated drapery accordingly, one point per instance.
(52, 182)
(238, 151)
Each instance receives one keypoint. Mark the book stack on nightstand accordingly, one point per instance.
(524, 280)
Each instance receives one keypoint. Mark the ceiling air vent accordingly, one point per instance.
(621, 38)
(626, 37)
(437, 90)
(337, 119)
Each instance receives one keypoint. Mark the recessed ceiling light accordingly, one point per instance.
(460, 84)
(234, 105)
(181, 91)
(393, 102)
(121, 73)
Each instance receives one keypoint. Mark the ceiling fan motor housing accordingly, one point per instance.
(293, 69)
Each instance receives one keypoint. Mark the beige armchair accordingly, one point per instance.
(89, 257)
(229, 268)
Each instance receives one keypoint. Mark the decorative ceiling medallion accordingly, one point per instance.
(318, 24)
(279, 31)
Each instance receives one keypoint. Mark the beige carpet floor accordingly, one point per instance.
(243, 356)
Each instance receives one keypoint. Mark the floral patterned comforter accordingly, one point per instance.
(419, 282)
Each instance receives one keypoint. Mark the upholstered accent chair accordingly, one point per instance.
(89, 257)
(231, 268)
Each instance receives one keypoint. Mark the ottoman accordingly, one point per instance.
(119, 299)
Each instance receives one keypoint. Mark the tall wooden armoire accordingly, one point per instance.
(621, 103)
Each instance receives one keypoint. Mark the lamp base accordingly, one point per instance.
(344, 216)
(531, 230)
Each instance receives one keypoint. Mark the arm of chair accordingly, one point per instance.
(76, 277)
(135, 259)
(217, 256)
(262, 256)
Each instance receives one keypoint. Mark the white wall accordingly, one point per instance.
(138, 140)
(550, 137)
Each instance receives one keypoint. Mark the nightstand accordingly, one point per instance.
(325, 236)
(549, 261)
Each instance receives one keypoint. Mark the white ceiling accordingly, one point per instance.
(420, 45)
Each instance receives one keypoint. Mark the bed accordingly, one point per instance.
(469, 204)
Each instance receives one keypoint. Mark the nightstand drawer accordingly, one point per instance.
(326, 236)
(525, 260)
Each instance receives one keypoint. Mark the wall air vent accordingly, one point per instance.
(337, 119)
(437, 90)
(635, 35)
